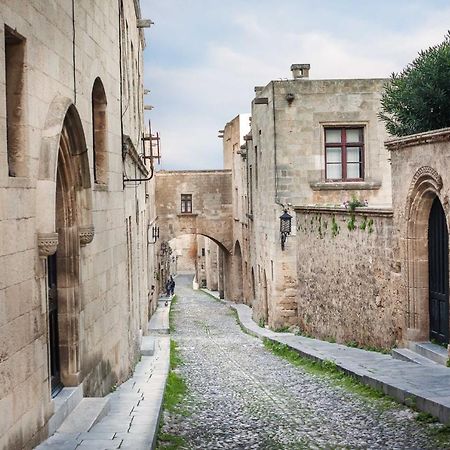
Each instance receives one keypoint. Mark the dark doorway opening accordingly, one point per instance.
(438, 273)
(55, 368)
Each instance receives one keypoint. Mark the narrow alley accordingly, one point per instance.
(241, 396)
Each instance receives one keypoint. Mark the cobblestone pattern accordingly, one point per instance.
(240, 396)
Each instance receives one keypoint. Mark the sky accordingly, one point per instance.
(204, 57)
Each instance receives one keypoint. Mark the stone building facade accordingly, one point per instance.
(76, 273)
(312, 143)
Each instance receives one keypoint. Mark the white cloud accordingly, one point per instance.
(194, 100)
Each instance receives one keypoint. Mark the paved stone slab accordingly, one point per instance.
(148, 346)
(88, 412)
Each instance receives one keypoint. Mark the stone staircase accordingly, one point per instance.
(423, 353)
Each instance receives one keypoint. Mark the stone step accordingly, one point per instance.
(404, 354)
(89, 411)
(148, 346)
(65, 402)
(431, 351)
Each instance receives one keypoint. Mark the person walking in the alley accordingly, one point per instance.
(172, 285)
(168, 287)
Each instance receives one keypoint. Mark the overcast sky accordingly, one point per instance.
(204, 57)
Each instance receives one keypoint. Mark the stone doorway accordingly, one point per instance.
(438, 273)
(426, 259)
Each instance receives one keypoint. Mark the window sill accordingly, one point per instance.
(187, 215)
(344, 185)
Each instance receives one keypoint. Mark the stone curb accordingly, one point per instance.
(160, 401)
(413, 395)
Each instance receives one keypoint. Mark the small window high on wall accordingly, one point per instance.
(100, 133)
(186, 203)
(15, 102)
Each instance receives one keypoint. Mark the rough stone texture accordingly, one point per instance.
(420, 174)
(242, 396)
(100, 313)
(348, 278)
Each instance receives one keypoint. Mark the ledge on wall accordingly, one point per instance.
(386, 212)
(344, 185)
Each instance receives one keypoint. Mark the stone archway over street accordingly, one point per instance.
(195, 202)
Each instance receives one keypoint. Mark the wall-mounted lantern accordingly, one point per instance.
(285, 227)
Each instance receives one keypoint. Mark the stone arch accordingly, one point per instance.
(65, 206)
(237, 278)
(425, 186)
(61, 115)
(99, 132)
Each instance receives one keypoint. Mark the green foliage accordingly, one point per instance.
(425, 417)
(354, 203)
(370, 226)
(261, 322)
(334, 227)
(363, 224)
(284, 329)
(172, 313)
(327, 369)
(351, 224)
(417, 99)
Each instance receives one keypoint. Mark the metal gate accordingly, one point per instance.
(438, 273)
(55, 370)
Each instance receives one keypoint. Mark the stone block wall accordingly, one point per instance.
(53, 85)
(349, 276)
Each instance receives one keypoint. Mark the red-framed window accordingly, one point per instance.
(344, 153)
(186, 203)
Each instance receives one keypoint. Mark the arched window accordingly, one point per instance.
(100, 133)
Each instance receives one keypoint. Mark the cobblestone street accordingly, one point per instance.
(240, 396)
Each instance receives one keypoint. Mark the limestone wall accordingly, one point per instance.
(97, 348)
(349, 275)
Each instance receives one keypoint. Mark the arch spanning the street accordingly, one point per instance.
(195, 202)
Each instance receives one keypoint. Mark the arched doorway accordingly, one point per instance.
(237, 273)
(438, 273)
(425, 239)
(73, 224)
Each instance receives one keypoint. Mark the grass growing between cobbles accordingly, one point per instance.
(329, 370)
(174, 392)
(171, 314)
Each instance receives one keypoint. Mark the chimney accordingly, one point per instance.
(300, 71)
